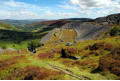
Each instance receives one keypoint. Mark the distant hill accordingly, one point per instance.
(23, 25)
(61, 22)
(81, 19)
(4, 25)
(52, 23)
(22, 22)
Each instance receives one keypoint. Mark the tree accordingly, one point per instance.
(33, 45)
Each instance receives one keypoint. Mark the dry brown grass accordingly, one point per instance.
(89, 63)
(99, 46)
(72, 50)
(110, 62)
(46, 55)
(35, 73)
(9, 62)
(68, 35)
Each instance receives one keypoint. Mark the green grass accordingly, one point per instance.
(10, 44)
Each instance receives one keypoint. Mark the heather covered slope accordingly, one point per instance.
(97, 60)
(52, 22)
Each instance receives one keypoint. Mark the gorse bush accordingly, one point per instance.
(115, 31)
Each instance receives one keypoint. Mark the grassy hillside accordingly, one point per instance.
(4, 25)
(49, 65)
(16, 33)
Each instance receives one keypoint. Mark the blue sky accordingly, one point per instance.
(57, 9)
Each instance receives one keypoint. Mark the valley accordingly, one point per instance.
(64, 49)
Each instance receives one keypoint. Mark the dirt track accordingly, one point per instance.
(68, 72)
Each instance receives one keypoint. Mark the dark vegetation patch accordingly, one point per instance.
(35, 73)
(18, 36)
(14, 35)
(69, 53)
(115, 31)
(33, 45)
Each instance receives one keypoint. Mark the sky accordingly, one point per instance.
(57, 9)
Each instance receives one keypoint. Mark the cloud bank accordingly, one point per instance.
(11, 9)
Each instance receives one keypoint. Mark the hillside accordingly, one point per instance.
(81, 19)
(93, 29)
(4, 25)
(95, 57)
(22, 22)
(65, 49)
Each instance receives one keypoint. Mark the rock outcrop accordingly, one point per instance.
(48, 36)
(111, 19)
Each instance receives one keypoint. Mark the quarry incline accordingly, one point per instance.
(76, 31)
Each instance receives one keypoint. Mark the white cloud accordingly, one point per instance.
(93, 7)
(75, 2)
(59, 14)
(19, 10)
(93, 3)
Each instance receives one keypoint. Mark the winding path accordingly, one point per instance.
(68, 72)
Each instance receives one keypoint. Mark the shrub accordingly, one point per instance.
(3, 47)
(68, 52)
(115, 31)
(33, 45)
(63, 53)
